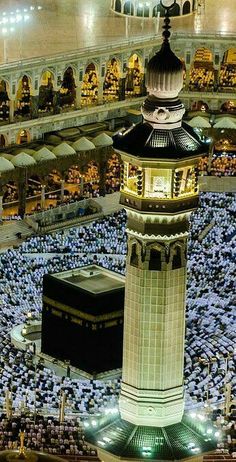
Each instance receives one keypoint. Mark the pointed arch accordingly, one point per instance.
(47, 77)
(177, 255)
(67, 90)
(175, 11)
(129, 8)
(134, 255)
(155, 260)
(3, 141)
(158, 10)
(155, 256)
(118, 6)
(134, 77)
(23, 136)
(4, 101)
(71, 68)
(111, 81)
(46, 92)
(199, 106)
(89, 89)
(23, 96)
(186, 7)
(229, 106)
(135, 249)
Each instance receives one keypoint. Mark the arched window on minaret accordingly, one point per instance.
(155, 260)
(177, 258)
(134, 256)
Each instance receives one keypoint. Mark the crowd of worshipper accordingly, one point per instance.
(227, 77)
(113, 175)
(10, 193)
(201, 79)
(133, 82)
(221, 164)
(89, 90)
(210, 301)
(209, 354)
(203, 165)
(44, 434)
(226, 428)
(111, 82)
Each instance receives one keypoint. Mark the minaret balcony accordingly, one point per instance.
(172, 205)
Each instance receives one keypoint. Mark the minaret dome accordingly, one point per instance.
(164, 78)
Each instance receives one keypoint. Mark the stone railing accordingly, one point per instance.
(64, 215)
(217, 184)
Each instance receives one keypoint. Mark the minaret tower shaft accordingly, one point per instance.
(159, 191)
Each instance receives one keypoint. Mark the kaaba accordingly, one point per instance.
(82, 318)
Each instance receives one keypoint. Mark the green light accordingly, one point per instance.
(101, 443)
(159, 441)
(106, 439)
(147, 451)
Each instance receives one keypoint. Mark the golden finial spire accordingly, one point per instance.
(22, 447)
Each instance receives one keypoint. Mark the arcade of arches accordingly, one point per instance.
(151, 9)
(69, 179)
(113, 82)
(45, 187)
(90, 89)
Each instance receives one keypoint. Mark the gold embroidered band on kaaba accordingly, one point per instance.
(80, 314)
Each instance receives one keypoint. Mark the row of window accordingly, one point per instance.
(147, 10)
(155, 261)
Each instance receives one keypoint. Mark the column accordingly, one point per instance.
(111, 124)
(102, 180)
(122, 81)
(143, 90)
(34, 106)
(78, 95)
(81, 185)
(43, 196)
(62, 188)
(11, 110)
(22, 196)
(100, 90)
(56, 102)
(1, 207)
(187, 79)
(216, 78)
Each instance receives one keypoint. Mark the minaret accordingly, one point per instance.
(159, 190)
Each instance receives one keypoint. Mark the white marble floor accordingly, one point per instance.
(63, 25)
